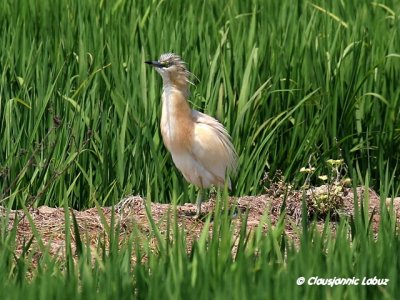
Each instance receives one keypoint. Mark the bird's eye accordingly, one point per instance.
(167, 64)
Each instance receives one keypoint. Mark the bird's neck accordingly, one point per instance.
(177, 82)
(175, 95)
(176, 119)
(175, 103)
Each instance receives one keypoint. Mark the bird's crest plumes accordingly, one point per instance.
(174, 61)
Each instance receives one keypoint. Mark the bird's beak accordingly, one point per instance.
(154, 63)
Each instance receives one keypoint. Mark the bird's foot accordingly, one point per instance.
(197, 217)
(200, 217)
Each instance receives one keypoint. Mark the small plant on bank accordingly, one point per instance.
(328, 197)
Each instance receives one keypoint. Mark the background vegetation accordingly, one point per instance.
(293, 81)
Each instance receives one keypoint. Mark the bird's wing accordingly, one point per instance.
(212, 146)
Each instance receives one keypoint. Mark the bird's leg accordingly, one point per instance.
(198, 201)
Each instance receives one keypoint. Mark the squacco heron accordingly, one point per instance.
(200, 146)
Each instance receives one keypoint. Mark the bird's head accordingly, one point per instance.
(172, 68)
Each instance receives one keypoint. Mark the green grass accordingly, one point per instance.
(79, 125)
(265, 266)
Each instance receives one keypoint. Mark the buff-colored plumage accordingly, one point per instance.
(200, 146)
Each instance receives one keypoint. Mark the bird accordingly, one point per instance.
(200, 146)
